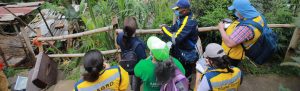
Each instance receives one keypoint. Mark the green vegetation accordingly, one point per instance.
(10, 71)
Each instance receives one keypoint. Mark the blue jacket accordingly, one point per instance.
(187, 39)
(139, 50)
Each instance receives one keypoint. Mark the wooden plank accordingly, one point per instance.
(45, 71)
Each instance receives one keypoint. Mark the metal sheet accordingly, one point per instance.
(20, 9)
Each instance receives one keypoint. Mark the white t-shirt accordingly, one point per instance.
(203, 85)
(201, 66)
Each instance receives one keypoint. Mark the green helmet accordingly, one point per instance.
(158, 48)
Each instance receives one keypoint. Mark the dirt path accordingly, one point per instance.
(269, 83)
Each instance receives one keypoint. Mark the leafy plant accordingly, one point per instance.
(10, 71)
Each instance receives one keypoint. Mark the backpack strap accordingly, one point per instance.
(133, 47)
(135, 44)
(120, 77)
(176, 80)
(255, 24)
(209, 75)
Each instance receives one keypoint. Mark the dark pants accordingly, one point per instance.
(190, 67)
(135, 83)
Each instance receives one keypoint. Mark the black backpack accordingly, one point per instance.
(265, 46)
(129, 58)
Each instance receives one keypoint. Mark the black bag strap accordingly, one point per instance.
(255, 24)
(120, 77)
(133, 47)
(135, 44)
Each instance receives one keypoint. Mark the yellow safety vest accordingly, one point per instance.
(237, 52)
(112, 79)
(220, 80)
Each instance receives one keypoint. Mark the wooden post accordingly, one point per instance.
(115, 34)
(38, 33)
(28, 45)
(293, 44)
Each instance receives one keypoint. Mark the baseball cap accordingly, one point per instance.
(245, 8)
(158, 48)
(181, 4)
(214, 50)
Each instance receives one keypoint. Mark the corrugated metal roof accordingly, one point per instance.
(56, 21)
(20, 9)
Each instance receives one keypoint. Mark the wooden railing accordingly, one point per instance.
(139, 31)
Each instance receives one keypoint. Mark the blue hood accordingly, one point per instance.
(245, 8)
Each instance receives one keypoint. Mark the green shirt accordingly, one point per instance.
(145, 71)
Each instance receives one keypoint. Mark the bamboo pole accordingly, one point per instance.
(82, 54)
(290, 64)
(204, 29)
(77, 34)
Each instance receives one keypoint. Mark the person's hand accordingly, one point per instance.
(221, 26)
(163, 25)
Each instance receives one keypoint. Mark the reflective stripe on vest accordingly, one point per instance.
(179, 30)
(226, 82)
(103, 83)
(220, 81)
(237, 52)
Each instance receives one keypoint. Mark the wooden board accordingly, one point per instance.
(45, 71)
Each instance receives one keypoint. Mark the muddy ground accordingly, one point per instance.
(12, 48)
(269, 83)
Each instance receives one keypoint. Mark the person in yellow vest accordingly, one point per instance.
(99, 78)
(3, 79)
(238, 37)
(219, 75)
